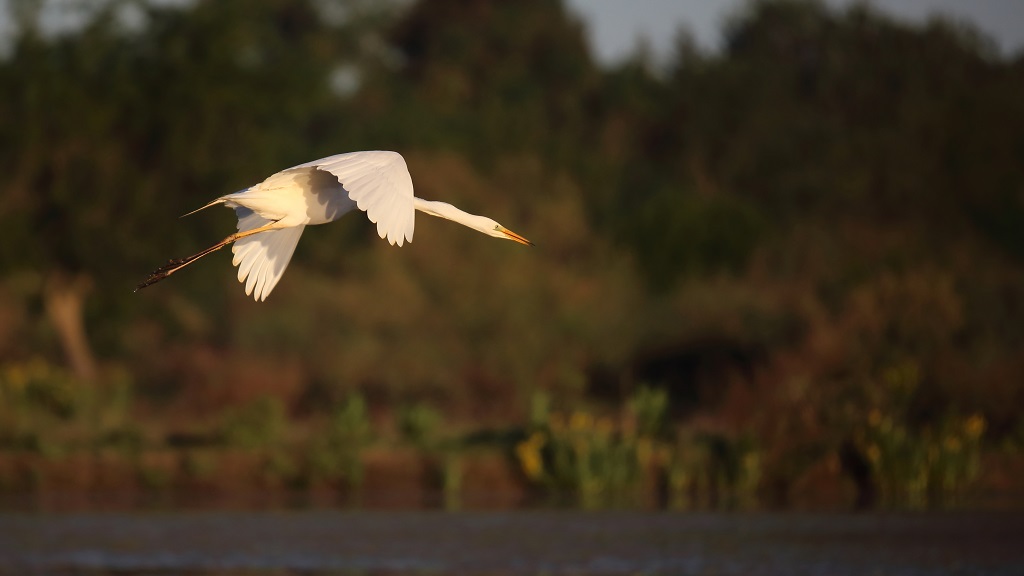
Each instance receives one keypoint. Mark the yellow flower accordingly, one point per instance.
(952, 444)
(874, 417)
(874, 454)
(581, 421)
(974, 427)
(528, 452)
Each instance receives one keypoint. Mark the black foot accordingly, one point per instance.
(163, 272)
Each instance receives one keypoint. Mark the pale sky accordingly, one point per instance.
(615, 26)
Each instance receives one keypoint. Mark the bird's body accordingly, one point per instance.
(273, 214)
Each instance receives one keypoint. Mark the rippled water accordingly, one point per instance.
(509, 543)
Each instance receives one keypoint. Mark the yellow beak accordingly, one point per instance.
(513, 236)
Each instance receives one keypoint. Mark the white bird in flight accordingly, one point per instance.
(272, 214)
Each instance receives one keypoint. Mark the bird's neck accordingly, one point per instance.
(447, 211)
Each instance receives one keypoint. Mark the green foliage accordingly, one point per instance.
(599, 460)
(419, 424)
(917, 464)
(259, 425)
(677, 234)
(648, 407)
(584, 456)
(43, 409)
(712, 471)
(337, 453)
(606, 461)
(451, 479)
(928, 467)
(42, 387)
(491, 78)
(350, 424)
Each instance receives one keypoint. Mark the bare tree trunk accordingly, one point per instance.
(63, 297)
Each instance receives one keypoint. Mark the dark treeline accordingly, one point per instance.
(795, 267)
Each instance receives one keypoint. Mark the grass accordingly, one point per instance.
(634, 457)
(58, 434)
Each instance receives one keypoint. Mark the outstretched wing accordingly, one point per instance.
(380, 185)
(263, 257)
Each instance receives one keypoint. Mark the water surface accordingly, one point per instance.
(509, 543)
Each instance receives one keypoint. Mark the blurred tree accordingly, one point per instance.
(813, 115)
(489, 77)
(114, 128)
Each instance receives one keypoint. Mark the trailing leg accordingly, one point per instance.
(173, 266)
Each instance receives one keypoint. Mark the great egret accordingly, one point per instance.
(272, 214)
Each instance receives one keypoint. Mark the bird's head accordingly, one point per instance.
(492, 228)
(481, 224)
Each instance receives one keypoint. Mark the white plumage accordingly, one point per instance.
(273, 214)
